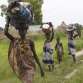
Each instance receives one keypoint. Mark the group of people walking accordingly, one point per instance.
(22, 54)
(48, 50)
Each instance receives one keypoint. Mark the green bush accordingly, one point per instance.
(60, 34)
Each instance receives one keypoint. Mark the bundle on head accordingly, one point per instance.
(70, 28)
(48, 30)
(47, 27)
(14, 7)
(20, 16)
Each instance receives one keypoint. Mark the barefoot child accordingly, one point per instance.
(59, 49)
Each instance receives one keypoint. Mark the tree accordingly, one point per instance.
(36, 5)
(79, 27)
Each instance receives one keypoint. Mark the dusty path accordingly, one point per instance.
(71, 74)
(80, 53)
(68, 76)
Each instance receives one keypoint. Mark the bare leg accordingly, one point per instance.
(49, 66)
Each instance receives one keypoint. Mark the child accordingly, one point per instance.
(48, 55)
(59, 48)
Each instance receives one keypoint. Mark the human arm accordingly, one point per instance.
(52, 34)
(7, 28)
(36, 58)
(55, 47)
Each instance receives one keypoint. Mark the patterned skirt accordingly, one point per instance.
(48, 58)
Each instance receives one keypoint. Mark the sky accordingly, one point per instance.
(56, 11)
(70, 11)
(2, 19)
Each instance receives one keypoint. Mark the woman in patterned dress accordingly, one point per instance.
(71, 43)
(48, 30)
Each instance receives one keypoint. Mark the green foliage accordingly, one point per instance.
(36, 5)
(79, 26)
(60, 34)
(59, 73)
(79, 43)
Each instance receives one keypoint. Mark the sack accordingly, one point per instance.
(23, 16)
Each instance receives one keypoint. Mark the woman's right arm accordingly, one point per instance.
(6, 29)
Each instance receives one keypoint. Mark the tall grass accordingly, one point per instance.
(57, 76)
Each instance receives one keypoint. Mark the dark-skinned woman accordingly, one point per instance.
(22, 54)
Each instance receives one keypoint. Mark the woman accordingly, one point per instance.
(48, 30)
(22, 52)
(71, 43)
(59, 49)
